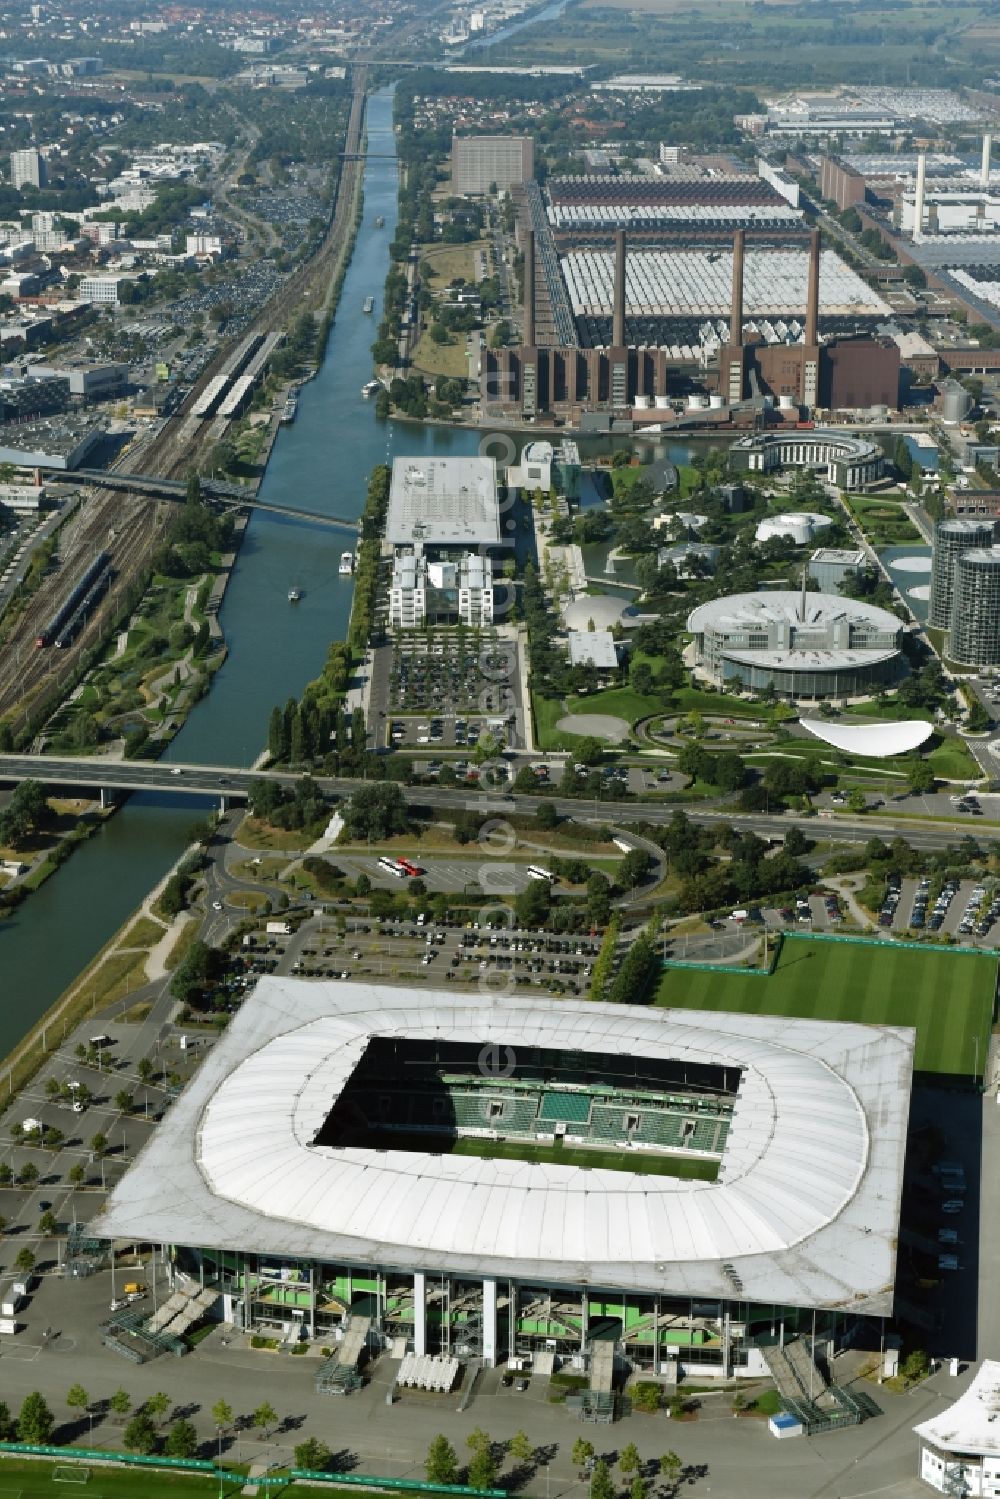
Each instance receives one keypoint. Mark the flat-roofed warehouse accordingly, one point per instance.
(445, 502)
(643, 1178)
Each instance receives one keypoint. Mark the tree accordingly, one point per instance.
(441, 1463)
(77, 1174)
(222, 1414)
(98, 1143)
(120, 1403)
(77, 1398)
(670, 1466)
(546, 816)
(919, 776)
(639, 1489)
(264, 1417)
(123, 1101)
(27, 1174)
(857, 801)
(601, 1483)
(477, 1438)
(521, 1447)
(182, 1440)
(313, 1455)
(628, 1458)
(25, 1261)
(140, 1434)
(35, 1422)
(157, 1406)
(582, 1452)
(47, 1224)
(482, 1469)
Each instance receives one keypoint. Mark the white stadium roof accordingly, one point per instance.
(805, 1210)
(878, 740)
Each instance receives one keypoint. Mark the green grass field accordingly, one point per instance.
(947, 998)
(689, 1168)
(31, 1478)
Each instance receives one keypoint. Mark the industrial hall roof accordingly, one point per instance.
(804, 1212)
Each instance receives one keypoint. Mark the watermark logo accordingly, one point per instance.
(497, 1061)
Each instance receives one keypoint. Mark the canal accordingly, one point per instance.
(322, 463)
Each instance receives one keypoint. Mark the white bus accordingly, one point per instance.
(536, 872)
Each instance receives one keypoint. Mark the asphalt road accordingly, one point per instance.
(219, 782)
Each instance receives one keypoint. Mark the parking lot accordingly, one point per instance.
(951, 908)
(418, 949)
(451, 672)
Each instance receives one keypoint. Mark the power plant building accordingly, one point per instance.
(623, 321)
(481, 164)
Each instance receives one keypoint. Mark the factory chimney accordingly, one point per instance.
(528, 333)
(918, 198)
(984, 174)
(618, 312)
(812, 292)
(736, 318)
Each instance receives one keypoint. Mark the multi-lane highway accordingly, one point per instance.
(228, 783)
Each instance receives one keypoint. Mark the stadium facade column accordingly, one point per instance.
(312, 1301)
(489, 1322)
(419, 1312)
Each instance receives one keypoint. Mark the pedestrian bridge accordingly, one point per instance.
(153, 487)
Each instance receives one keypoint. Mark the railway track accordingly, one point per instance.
(33, 681)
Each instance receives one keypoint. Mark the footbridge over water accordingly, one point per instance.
(151, 486)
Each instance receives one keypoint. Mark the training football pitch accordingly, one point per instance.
(947, 997)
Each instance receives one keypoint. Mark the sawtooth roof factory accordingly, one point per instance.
(331, 1164)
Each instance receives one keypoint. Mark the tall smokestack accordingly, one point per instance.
(736, 318)
(528, 337)
(918, 198)
(984, 174)
(812, 293)
(618, 313)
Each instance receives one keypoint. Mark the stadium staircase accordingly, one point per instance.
(808, 1395)
(338, 1374)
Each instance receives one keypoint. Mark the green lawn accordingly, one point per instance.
(947, 997)
(642, 1163)
(31, 1478)
(620, 702)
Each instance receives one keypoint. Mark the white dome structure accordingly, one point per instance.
(799, 526)
(603, 608)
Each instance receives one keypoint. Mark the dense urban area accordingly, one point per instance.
(500, 748)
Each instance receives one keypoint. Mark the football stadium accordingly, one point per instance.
(455, 1177)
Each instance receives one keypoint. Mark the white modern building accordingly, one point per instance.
(424, 591)
(960, 1447)
(330, 1164)
(847, 461)
(800, 645)
(27, 168)
(799, 526)
(445, 503)
(593, 648)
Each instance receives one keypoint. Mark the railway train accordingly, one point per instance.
(65, 623)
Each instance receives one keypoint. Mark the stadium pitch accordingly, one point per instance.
(642, 1163)
(948, 998)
